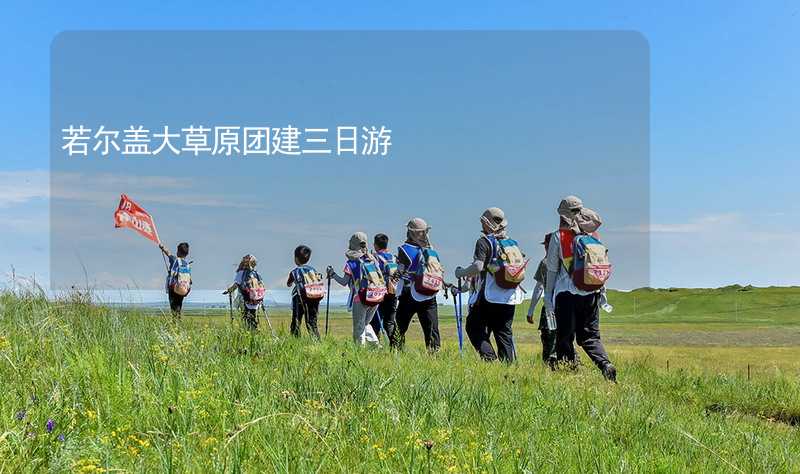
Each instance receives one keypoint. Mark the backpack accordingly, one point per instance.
(591, 267)
(388, 266)
(180, 277)
(429, 275)
(507, 263)
(252, 288)
(369, 282)
(309, 283)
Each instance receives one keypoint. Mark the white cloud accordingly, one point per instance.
(703, 224)
(102, 189)
(29, 224)
(18, 187)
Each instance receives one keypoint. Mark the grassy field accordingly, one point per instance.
(94, 389)
(719, 330)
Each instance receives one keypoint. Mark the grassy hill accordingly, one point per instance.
(129, 391)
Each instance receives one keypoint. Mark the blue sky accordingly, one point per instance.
(724, 108)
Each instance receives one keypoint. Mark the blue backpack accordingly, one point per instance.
(180, 277)
(309, 283)
(252, 287)
(369, 282)
(426, 269)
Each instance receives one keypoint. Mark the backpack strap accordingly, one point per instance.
(382, 262)
(493, 244)
(355, 269)
(174, 269)
(565, 248)
(362, 271)
(412, 260)
(297, 275)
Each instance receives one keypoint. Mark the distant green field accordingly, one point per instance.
(96, 389)
(723, 329)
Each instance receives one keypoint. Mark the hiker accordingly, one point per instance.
(499, 267)
(387, 310)
(577, 269)
(367, 287)
(308, 290)
(251, 290)
(423, 277)
(547, 325)
(179, 277)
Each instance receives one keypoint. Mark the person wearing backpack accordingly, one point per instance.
(308, 289)
(499, 266)
(387, 310)
(179, 277)
(251, 290)
(577, 269)
(423, 277)
(547, 325)
(367, 287)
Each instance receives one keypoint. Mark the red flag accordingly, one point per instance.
(131, 215)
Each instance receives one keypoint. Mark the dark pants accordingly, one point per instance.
(250, 318)
(578, 319)
(428, 314)
(484, 320)
(548, 337)
(386, 317)
(304, 308)
(175, 303)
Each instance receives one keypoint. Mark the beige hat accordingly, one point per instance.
(418, 224)
(417, 232)
(357, 246)
(571, 203)
(588, 220)
(567, 209)
(494, 220)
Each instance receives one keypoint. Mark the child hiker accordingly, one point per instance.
(308, 290)
(367, 287)
(387, 263)
(179, 277)
(251, 289)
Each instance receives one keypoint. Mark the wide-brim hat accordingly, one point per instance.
(495, 218)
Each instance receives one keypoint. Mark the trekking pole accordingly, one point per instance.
(269, 323)
(328, 304)
(230, 306)
(457, 303)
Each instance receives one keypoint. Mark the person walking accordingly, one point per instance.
(576, 310)
(423, 278)
(357, 276)
(499, 267)
(385, 317)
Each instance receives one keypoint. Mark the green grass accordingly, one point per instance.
(134, 392)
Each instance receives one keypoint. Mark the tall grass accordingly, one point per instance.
(126, 391)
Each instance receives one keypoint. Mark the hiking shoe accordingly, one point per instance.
(610, 373)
